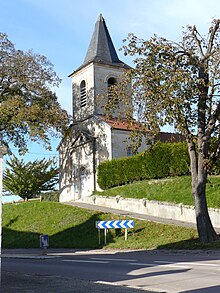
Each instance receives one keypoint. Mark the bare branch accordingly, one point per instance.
(213, 120)
(212, 31)
(196, 39)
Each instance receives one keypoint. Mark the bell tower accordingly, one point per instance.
(101, 68)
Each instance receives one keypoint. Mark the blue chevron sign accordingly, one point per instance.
(115, 224)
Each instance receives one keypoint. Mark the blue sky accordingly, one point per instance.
(61, 30)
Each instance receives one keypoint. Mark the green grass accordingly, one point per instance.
(72, 227)
(176, 190)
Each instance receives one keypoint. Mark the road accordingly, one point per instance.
(160, 271)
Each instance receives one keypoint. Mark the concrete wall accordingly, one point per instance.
(153, 208)
(120, 143)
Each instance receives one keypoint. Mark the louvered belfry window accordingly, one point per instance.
(111, 82)
(83, 96)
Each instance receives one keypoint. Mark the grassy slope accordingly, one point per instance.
(75, 228)
(177, 190)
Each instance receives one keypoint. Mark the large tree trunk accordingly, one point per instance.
(205, 228)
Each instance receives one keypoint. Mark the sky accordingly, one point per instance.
(61, 30)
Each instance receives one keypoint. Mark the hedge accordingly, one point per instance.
(50, 196)
(159, 161)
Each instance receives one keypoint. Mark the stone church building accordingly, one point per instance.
(92, 138)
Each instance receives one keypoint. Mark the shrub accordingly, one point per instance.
(159, 161)
(50, 196)
(179, 159)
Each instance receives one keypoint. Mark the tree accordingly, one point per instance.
(28, 180)
(28, 107)
(179, 84)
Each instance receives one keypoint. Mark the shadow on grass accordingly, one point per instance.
(191, 244)
(84, 235)
(18, 239)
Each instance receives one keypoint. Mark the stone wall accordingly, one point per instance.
(178, 212)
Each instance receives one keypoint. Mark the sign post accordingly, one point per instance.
(3, 151)
(118, 224)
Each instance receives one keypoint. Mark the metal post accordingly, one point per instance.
(105, 231)
(3, 151)
(126, 234)
(99, 237)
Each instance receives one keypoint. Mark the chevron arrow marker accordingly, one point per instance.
(115, 224)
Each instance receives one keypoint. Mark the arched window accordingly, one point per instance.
(82, 171)
(82, 94)
(112, 82)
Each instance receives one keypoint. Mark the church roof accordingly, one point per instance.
(101, 49)
(114, 123)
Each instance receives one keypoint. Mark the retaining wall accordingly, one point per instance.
(178, 212)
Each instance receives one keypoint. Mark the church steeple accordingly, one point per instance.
(101, 48)
(101, 69)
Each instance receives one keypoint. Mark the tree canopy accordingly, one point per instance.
(29, 109)
(178, 83)
(28, 180)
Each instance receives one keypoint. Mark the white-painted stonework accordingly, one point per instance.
(153, 208)
(92, 138)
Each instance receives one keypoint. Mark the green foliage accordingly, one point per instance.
(179, 159)
(51, 196)
(178, 83)
(29, 108)
(72, 227)
(159, 161)
(173, 189)
(28, 180)
(215, 162)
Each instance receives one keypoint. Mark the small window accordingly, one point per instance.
(83, 171)
(131, 152)
(111, 82)
(83, 94)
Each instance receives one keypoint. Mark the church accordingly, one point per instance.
(92, 138)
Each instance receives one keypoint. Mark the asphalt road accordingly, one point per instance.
(28, 283)
(159, 271)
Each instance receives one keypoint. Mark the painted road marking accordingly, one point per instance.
(84, 261)
(185, 265)
(156, 265)
(113, 259)
(189, 263)
(142, 264)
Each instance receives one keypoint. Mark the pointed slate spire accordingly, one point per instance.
(101, 48)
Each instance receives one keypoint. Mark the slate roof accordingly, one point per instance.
(101, 49)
